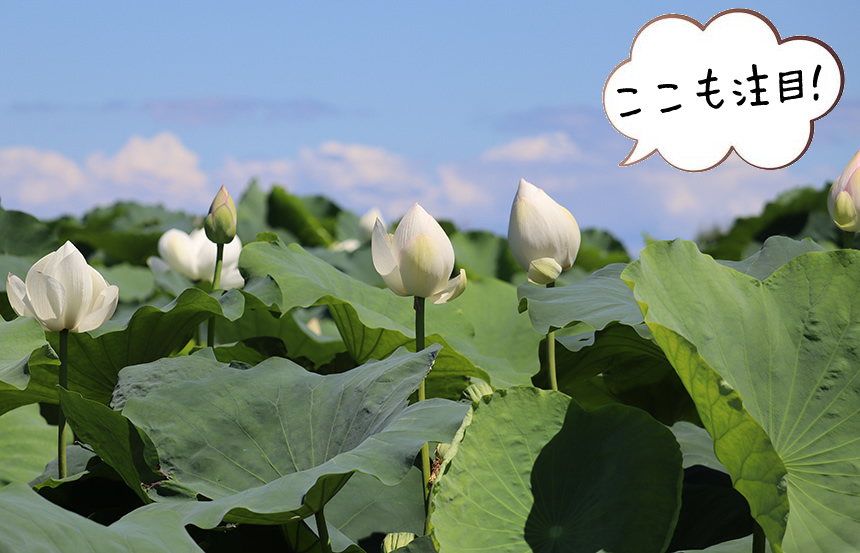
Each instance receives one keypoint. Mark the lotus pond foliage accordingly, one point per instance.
(269, 378)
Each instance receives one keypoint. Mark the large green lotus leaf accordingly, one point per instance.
(358, 264)
(374, 322)
(773, 368)
(114, 439)
(603, 298)
(27, 444)
(535, 472)
(29, 522)
(366, 506)
(622, 367)
(18, 339)
(135, 283)
(24, 235)
(275, 442)
(597, 300)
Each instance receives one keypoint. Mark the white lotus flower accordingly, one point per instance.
(63, 292)
(417, 259)
(844, 199)
(542, 235)
(193, 256)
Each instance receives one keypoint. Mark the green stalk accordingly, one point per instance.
(61, 419)
(422, 395)
(216, 283)
(322, 531)
(848, 240)
(550, 353)
(758, 545)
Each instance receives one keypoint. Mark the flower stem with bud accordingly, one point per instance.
(216, 283)
(550, 353)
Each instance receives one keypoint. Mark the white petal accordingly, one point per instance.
(453, 289)
(574, 238)
(423, 267)
(103, 309)
(47, 299)
(544, 270)
(384, 260)
(17, 292)
(157, 265)
(75, 275)
(417, 221)
(204, 255)
(231, 278)
(39, 266)
(232, 250)
(176, 249)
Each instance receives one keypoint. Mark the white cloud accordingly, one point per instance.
(347, 165)
(34, 177)
(552, 148)
(161, 165)
(237, 172)
(156, 170)
(461, 191)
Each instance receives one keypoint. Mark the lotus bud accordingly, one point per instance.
(844, 199)
(417, 259)
(63, 292)
(542, 235)
(220, 224)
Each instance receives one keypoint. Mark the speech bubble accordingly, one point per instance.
(695, 92)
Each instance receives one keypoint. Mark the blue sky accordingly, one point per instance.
(373, 104)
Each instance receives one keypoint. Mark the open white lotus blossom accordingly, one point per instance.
(193, 256)
(417, 259)
(63, 292)
(844, 199)
(542, 235)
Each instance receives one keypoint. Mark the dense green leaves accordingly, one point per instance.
(773, 368)
(374, 322)
(30, 523)
(275, 442)
(535, 472)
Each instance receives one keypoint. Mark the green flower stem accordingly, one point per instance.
(216, 283)
(550, 353)
(759, 543)
(322, 531)
(61, 419)
(422, 395)
(848, 240)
